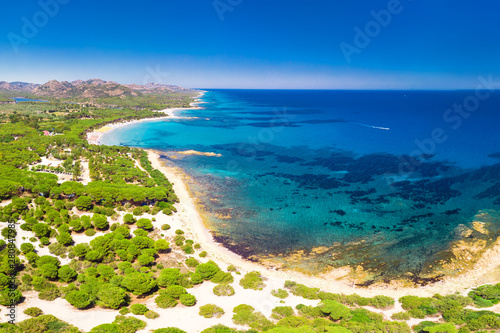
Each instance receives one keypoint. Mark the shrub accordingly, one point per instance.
(168, 330)
(144, 224)
(45, 323)
(90, 232)
(49, 271)
(222, 277)
(45, 241)
(100, 221)
(33, 312)
(196, 278)
(112, 297)
(220, 329)
(401, 316)
(334, 309)
(207, 270)
(138, 283)
(84, 203)
(419, 307)
(64, 238)
(280, 293)
(41, 230)
(165, 301)
(429, 326)
(49, 294)
(179, 232)
(105, 271)
(94, 255)
(129, 218)
(168, 276)
(66, 274)
(27, 247)
(302, 290)
(179, 240)
(188, 249)
(192, 262)
(140, 232)
(381, 302)
(145, 259)
(252, 280)
(211, 310)
(80, 250)
(175, 291)
(78, 299)
(151, 314)
(76, 225)
(128, 324)
(488, 292)
(246, 315)
(203, 254)
(482, 303)
(123, 311)
(138, 309)
(137, 211)
(10, 297)
(442, 328)
(105, 328)
(281, 312)
(165, 227)
(58, 249)
(161, 245)
(223, 290)
(187, 300)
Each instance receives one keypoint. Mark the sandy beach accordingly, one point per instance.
(94, 137)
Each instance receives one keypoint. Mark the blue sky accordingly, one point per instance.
(425, 44)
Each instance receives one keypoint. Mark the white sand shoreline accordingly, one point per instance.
(486, 270)
(95, 136)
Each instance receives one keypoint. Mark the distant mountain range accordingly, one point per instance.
(94, 88)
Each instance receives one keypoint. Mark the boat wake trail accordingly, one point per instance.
(371, 126)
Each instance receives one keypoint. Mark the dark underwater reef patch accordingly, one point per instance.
(453, 211)
(288, 159)
(494, 155)
(402, 226)
(310, 181)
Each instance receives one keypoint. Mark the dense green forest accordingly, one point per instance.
(128, 259)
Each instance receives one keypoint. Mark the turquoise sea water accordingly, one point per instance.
(383, 179)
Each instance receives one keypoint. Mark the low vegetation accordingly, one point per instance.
(252, 280)
(211, 310)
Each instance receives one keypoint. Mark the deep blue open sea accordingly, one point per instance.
(386, 180)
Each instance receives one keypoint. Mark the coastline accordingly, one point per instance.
(485, 270)
(95, 136)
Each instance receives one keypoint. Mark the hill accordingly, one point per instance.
(90, 89)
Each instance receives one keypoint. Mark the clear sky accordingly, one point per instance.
(327, 44)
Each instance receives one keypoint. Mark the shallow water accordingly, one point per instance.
(302, 169)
